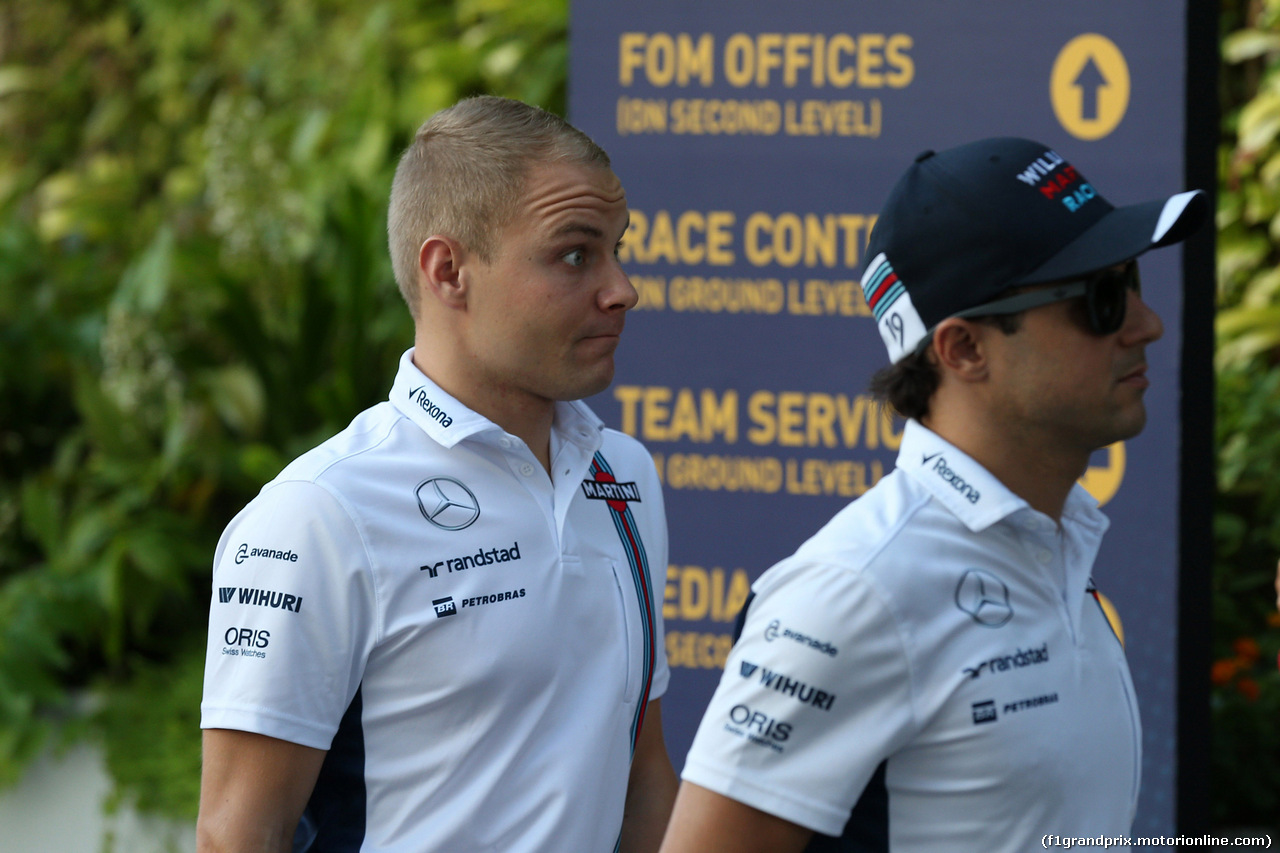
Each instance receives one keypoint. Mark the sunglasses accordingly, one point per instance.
(1105, 292)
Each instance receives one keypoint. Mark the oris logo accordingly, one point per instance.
(447, 503)
(985, 598)
(758, 727)
(247, 638)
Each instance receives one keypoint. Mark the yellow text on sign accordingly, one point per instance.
(841, 60)
(830, 240)
(694, 593)
(1089, 86)
(788, 418)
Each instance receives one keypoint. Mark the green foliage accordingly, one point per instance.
(194, 287)
(1246, 685)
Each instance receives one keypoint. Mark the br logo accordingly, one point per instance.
(1103, 480)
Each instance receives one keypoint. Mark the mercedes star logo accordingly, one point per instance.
(447, 503)
(984, 597)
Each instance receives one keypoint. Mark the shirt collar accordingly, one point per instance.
(447, 421)
(971, 492)
(954, 479)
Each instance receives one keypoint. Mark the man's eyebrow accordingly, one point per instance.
(579, 228)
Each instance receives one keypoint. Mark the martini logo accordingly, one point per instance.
(605, 488)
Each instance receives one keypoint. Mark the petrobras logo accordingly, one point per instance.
(444, 607)
(758, 727)
(984, 712)
(261, 598)
(447, 503)
(493, 598)
(433, 411)
(483, 557)
(1028, 704)
(951, 478)
(774, 631)
(605, 488)
(245, 552)
(803, 693)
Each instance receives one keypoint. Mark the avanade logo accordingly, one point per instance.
(244, 552)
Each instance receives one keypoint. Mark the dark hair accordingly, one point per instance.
(908, 385)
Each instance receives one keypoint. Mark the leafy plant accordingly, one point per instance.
(194, 288)
(1246, 684)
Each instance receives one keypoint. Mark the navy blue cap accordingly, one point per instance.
(966, 224)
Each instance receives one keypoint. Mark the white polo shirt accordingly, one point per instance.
(473, 641)
(942, 627)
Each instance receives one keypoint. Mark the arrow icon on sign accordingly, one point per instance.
(1089, 81)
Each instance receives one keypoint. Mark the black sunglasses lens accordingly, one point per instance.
(1108, 296)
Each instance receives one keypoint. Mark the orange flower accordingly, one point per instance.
(1248, 689)
(1247, 651)
(1223, 671)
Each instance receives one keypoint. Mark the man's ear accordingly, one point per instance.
(440, 271)
(960, 348)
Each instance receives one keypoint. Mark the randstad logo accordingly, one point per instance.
(244, 552)
(482, 557)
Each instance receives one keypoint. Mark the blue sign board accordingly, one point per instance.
(756, 142)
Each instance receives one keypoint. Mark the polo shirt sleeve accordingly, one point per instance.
(816, 693)
(292, 619)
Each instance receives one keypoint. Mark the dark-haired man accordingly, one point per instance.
(437, 631)
(934, 669)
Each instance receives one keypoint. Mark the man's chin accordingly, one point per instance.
(589, 385)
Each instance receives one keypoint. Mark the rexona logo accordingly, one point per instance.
(1004, 663)
(244, 552)
(951, 478)
(444, 607)
(437, 414)
(774, 630)
(798, 690)
(261, 598)
(605, 488)
(758, 727)
(483, 557)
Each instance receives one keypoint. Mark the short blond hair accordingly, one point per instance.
(464, 172)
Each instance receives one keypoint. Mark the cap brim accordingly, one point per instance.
(1124, 233)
